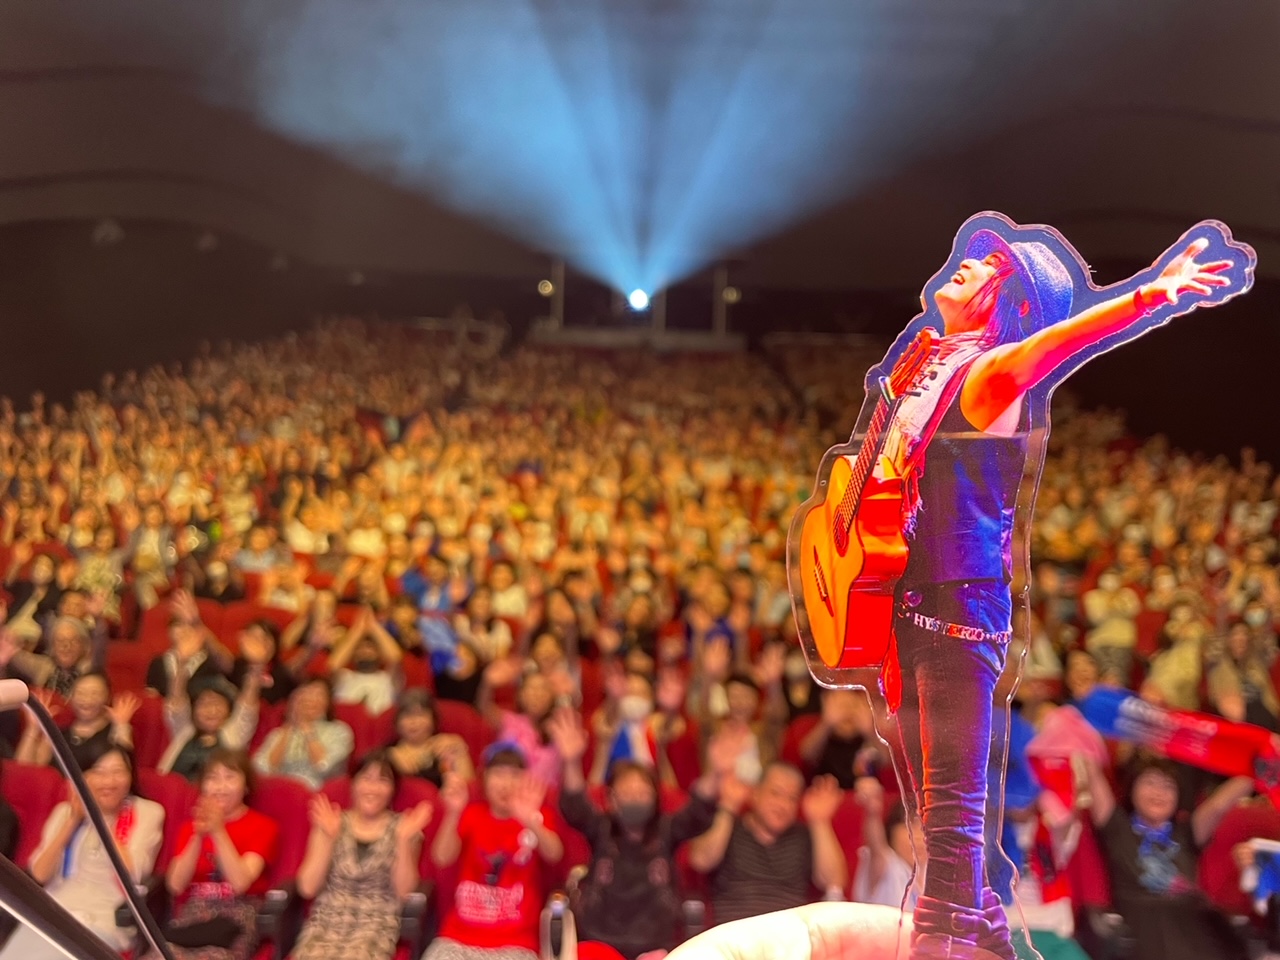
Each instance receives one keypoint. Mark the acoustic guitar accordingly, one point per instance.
(852, 549)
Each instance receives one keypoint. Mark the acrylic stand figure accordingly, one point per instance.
(903, 562)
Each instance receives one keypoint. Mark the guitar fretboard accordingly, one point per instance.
(861, 469)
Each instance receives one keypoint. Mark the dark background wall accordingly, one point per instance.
(70, 311)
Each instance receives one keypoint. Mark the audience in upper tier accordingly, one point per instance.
(566, 570)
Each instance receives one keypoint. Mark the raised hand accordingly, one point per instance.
(567, 734)
(122, 709)
(8, 647)
(526, 800)
(716, 659)
(412, 822)
(253, 647)
(46, 699)
(870, 796)
(1185, 275)
(76, 812)
(734, 794)
(770, 666)
(671, 691)
(822, 800)
(184, 606)
(725, 748)
(325, 816)
(454, 794)
(502, 672)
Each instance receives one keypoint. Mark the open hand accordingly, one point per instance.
(412, 822)
(454, 794)
(1185, 275)
(567, 734)
(325, 816)
(122, 709)
(526, 800)
(816, 931)
(822, 800)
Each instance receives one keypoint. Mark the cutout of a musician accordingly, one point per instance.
(902, 563)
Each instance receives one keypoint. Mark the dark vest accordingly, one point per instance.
(968, 492)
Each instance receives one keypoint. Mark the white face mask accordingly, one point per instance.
(634, 709)
(1256, 617)
(1109, 582)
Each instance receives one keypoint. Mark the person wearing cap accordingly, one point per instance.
(499, 846)
(1007, 326)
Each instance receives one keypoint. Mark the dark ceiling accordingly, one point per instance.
(1120, 123)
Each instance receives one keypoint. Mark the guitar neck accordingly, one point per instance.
(867, 454)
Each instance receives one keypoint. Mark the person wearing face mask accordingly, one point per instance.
(629, 898)
(74, 866)
(1111, 609)
(622, 727)
(365, 665)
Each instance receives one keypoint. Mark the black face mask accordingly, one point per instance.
(633, 816)
(367, 665)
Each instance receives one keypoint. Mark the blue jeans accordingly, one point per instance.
(945, 727)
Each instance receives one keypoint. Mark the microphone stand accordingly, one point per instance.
(31, 904)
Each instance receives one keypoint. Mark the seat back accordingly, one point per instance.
(150, 733)
(177, 796)
(33, 792)
(847, 825)
(285, 801)
(466, 721)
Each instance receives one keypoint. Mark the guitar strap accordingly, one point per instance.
(913, 468)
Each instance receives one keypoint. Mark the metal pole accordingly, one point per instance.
(719, 306)
(146, 922)
(659, 307)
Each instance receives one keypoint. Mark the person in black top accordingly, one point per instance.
(1153, 855)
(9, 827)
(419, 749)
(629, 898)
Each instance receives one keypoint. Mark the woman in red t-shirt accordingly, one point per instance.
(499, 847)
(219, 869)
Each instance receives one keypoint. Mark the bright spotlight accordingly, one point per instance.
(639, 300)
(546, 288)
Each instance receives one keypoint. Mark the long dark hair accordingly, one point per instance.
(1001, 298)
(93, 750)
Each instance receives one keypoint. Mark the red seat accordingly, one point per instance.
(847, 824)
(1219, 875)
(270, 716)
(466, 721)
(797, 730)
(153, 632)
(150, 732)
(383, 729)
(364, 730)
(33, 792)
(177, 796)
(211, 614)
(285, 801)
(127, 663)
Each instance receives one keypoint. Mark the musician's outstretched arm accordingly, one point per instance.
(1005, 373)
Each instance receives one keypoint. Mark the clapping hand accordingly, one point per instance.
(325, 816)
(454, 794)
(412, 822)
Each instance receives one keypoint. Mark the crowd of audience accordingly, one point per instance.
(587, 551)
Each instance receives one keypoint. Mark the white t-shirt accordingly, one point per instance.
(893, 883)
